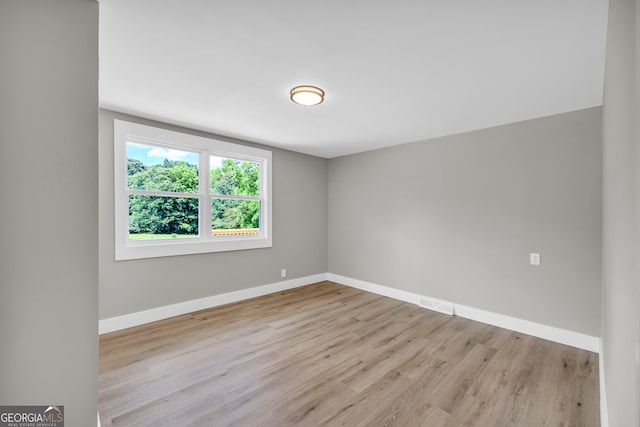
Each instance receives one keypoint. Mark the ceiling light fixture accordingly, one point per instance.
(307, 95)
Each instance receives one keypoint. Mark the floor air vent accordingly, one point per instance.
(435, 305)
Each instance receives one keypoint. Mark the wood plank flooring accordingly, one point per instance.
(330, 355)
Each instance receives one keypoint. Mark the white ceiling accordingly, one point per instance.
(393, 71)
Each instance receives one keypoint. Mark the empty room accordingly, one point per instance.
(321, 214)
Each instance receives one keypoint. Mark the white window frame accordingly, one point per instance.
(126, 249)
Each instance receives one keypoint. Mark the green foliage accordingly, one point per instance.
(163, 215)
(233, 214)
(240, 179)
(179, 215)
(176, 176)
(134, 166)
(236, 178)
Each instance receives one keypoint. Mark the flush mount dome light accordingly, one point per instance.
(307, 95)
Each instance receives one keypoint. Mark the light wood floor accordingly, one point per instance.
(329, 355)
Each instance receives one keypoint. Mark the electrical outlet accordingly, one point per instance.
(283, 272)
(534, 258)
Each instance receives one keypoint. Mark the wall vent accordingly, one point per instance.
(435, 305)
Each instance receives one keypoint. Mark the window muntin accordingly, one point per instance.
(164, 202)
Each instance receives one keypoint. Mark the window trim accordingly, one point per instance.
(126, 249)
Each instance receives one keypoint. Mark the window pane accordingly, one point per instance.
(235, 217)
(234, 177)
(152, 217)
(159, 168)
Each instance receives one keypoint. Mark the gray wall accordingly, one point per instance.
(49, 207)
(456, 217)
(299, 239)
(621, 228)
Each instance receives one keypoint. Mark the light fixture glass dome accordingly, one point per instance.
(307, 95)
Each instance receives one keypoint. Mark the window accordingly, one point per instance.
(178, 194)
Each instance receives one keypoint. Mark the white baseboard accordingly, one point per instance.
(551, 333)
(574, 339)
(135, 319)
(562, 336)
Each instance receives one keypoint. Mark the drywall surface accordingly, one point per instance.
(49, 207)
(299, 238)
(621, 228)
(456, 218)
